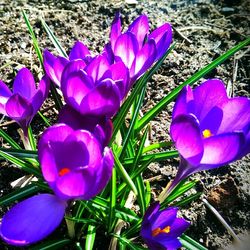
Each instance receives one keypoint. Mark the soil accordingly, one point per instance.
(202, 31)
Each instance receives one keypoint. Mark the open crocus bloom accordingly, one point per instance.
(32, 219)
(24, 102)
(136, 47)
(208, 128)
(96, 89)
(161, 229)
(54, 65)
(73, 162)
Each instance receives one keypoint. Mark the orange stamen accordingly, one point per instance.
(64, 171)
(158, 230)
(206, 133)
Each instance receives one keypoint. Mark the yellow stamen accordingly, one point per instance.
(166, 230)
(64, 171)
(206, 133)
(158, 230)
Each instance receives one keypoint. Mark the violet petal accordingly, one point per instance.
(32, 219)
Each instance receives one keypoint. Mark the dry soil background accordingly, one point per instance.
(202, 29)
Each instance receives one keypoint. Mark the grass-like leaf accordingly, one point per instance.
(34, 39)
(21, 153)
(54, 40)
(187, 200)
(152, 113)
(22, 164)
(31, 137)
(8, 139)
(19, 194)
(119, 118)
(190, 243)
(53, 244)
(90, 238)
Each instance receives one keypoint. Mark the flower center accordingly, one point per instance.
(158, 230)
(206, 133)
(64, 171)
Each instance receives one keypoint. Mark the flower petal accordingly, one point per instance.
(209, 94)
(54, 66)
(143, 60)
(79, 51)
(163, 38)
(103, 100)
(24, 84)
(186, 134)
(236, 115)
(126, 48)
(115, 30)
(140, 28)
(5, 93)
(221, 149)
(184, 103)
(41, 94)
(32, 220)
(97, 67)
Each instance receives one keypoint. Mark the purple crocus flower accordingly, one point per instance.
(99, 126)
(161, 229)
(73, 162)
(32, 219)
(54, 65)
(24, 102)
(96, 89)
(209, 129)
(136, 47)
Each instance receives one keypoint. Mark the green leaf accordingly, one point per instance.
(7, 138)
(123, 173)
(51, 245)
(187, 200)
(21, 153)
(19, 194)
(90, 238)
(178, 191)
(127, 242)
(44, 118)
(152, 113)
(162, 156)
(22, 164)
(119, 118)
(157, 146)
(190, 243)
(112, 203)
(34, 40)
(32, 140)
(54, 40)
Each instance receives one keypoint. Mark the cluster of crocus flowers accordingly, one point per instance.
(161, 228)
(25, 100)
(209, 129)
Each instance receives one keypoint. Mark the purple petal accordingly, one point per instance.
(186, 134)
(24, 84)
(108, 53)
(32, 220)
(126, 48)
(103, 100)
(143, 60)
(151, 211)
(221, 149)
(5, 93)
(163, 38)
(97, 67)
(41, 94)
(54, 66)
(79, 51)
(211, 93)
(236, 115)
(164, 218)
(172, 244)
(75, 87)
(184, 102)
(115, 30)
(20, 110)
(140, 28)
